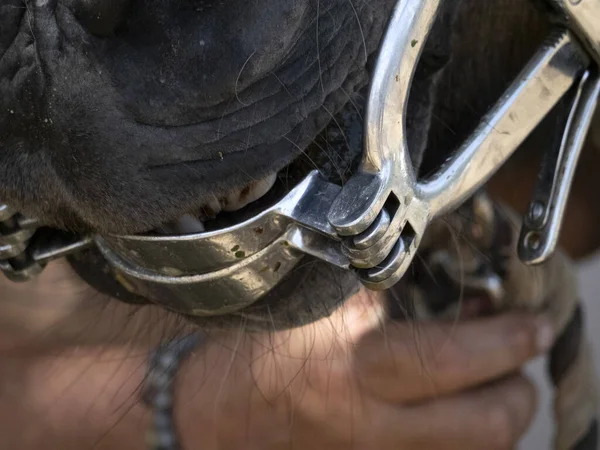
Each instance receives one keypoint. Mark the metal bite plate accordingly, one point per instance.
(376, 221)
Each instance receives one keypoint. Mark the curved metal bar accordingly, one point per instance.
(386, 164)
(554, 69)
(375, 222)
(542, 225)
(539, 87)
(223, 271)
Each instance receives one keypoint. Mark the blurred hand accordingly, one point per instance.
(71, 363)
(353, 382)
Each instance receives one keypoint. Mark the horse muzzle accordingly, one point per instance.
(375, 223)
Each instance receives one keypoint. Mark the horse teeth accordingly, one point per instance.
(186, 224)
(242, 197)
(189, 224)
(213, 207)
(234, 201)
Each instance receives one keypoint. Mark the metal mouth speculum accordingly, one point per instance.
(376, 221)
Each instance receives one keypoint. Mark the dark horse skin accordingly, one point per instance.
(120, 115)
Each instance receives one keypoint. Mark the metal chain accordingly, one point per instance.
(26, 246)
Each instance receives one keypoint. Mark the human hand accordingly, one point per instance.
(351, 381)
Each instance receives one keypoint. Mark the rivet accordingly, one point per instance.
(536, 211)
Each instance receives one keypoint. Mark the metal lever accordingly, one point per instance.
(383, 210)
(375, 222)
(543, 222)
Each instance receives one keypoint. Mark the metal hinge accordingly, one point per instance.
(26, 246)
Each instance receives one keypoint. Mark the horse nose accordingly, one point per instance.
(99, 17)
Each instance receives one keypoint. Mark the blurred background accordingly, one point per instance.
(540, 435)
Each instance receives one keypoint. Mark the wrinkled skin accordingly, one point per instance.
(169, 102)
(118, 115)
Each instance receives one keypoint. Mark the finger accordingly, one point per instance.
(493, 417)
(410, 362)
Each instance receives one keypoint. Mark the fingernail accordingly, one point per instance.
(545, 333)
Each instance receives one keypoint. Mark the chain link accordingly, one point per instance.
(26, 246)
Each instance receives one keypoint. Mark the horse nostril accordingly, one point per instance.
(99, 17)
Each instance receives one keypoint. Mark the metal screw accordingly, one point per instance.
(533, 241)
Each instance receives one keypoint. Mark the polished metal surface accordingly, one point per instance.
(542, 225)
(15, 262)
(307, 204)
(224, 291)
(386, 178)
(222, 271)
(375, 223)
